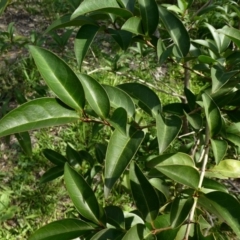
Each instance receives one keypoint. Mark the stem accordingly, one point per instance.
(203, 170)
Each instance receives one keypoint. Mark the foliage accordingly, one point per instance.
(170, 158)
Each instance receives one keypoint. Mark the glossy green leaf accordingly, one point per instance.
(122, 37)
(144, 195)
(213, 115)
(206, 59)
(106, 6)
(180, 210)
(208, 44)
(195, 120)
(219, 148)
(65, 21)
(131, 219)
(133, 25)
(39, 113)
(118, 98)
(119, 120)
(149, 14)
(83, 41)
(59, 77)
(224, 206)
(85, 155)
(121, 149)
(73, 155)
(52, 174)
(209, 183)
(178, 158)
(176, 30)
(232, 33)
(220, 77)
(191, 98)
(167, 130)
(128, 4)
(95, 95)
(227, 168)
(115, 216)
(109, 234)
(144, 95)
(82, 196)
(233, 138)
(25, 142)
(183, 174)
(62, 230)
(161, 186)
(138, 231)
(54, 157)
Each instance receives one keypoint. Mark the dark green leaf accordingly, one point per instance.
(52, 174)
(133, 25)
(219, 148)
(118, 98)
(95, 95)
(144, 194)
(65, 21)
(176, 30)
(224, 206)
(59, 77)
(214, 185)
(39, 113)
(83, 41)
(120, 151)
(180, 210)
(206, 59)
(167, 130)
(195, 120)
(138, 231)
(73, 156)
(144, 95)
(183, 174)
(122, 37)
(62, 230)
(191, 98)
(25, 142)
(132, 219)
(161, 186)
(106, 6)
(3, 5)
(149, 14)
(82, 196)
(115, 216)
(119, 120)
(109, 234)
(213, 115)
(55, 157)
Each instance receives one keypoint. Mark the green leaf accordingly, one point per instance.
(180, 209)
(109, 234)
(133, 25)
(25, 142)
(121, 149)
(209, 183)
(82, 196)
(59, 77)
(161, 186)
(62, 229)
(235, 139)
(206, 59)
(115, 216)
(219, 148)
(144, 195)
(224, 206)
(149, 14)
(52, 174)
(178, 158)
(162, 52)
(208, 44)
(3, 5)
(119, 120)
(83, 41)
(138, 231)
(232, 33)
(39, 113)
(220, 77)
(131, 219)
(213, 115)
(195, 120)
(176, 30)
(183, 174)
(191, 98)
(95, 95)
(228, 168)
(128, 4)
(105, 6)
(144, 95)
(54, 157)
(73, 156)
(65, 21)
(122, 37)
(167, 130)
(118, 98)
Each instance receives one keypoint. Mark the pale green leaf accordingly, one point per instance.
(39, 113)
(232, 33)
(133, 25)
